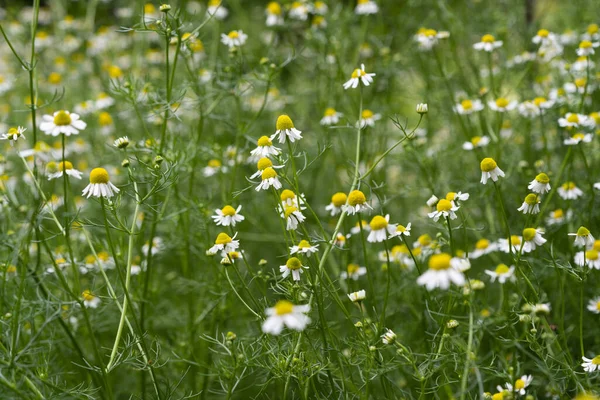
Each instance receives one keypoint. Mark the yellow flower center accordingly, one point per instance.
(531, 199)
(54, 78)
(293, 263)
(367, 114)
(440, 261)
(283, 307)
(264, 141)
(424, 240)
(400, 228)
(488, 165)
(64, 166)
(268, 173)
(274, 8)
(444, 205)
(597, 245)
(339, 199)
(596, 360)
(515, 240)
(304, 244)
(352, 269)
(13, 131)
(475, 140)
(502, 269)
(223, 238)
(583, 231)
(356, 197)
(149, 8)
(466, 104)
(542, 178)
(529, 234)
(593, 28)
(62, 118)
(543, 33)
(573, 118)
(228, 211)
(104, 256)
(538, 101)
(233, 35)
(104, 119)
(283, 123)
(214, 163)
(501, 102)
(290, 210)
(482, 244)
(488, 38)
(579, 136)
(90, 259)
(591, 255)
(519, 384)
(99, 175)
(87, 295)
(580, 82)
(264, 163)
(559, 213)
(357, 73)
(585, 44)
(287, 194)
(378, 222)
(598, 306)
(330, 112)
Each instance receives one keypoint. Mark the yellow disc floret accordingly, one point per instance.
(223, 238)
(228, 211)
(286, 195)
(444, 205)
(542, 178)
(488, 165)
(583, 231)
(62, 118)
(531, 199)
(268, 173)
(502, 269)
(440, 261)
(488, 38)
(283, 307)
(99, 175)
(482, 244)
(293, 263)
(356, 197)
(62, 166)
(264, 141)
(264, 163)
(529, 234)
(339, 199)
(284, 123)
(501, 102)
(378, 222)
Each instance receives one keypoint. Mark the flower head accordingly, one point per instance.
(583, 237)
(359, 75)
(488, 43)
(13, 134)
(443, 270)
(234, 39)
(63, 122)
(292, 266)
(490, 170)
(531, 204)
(285, 314)
(285, 130)
(100, 185)
(228, 216)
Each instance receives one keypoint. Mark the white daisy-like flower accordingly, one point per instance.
(359, 75)
(457, 197)
(157, 246)
(532, 238)
(100, 185)
(65, 168)
(224, 244)
(541, 184)
(357, 297)
(515, 244)
(401, 230)
(578, 138)
(368, 118)
(265, 148)
(355, 230)
(269, 178)
(594, 305)
(298, 11)
(228, 216)
(293, 216)
(520, 385)
(586, 48)
(389, 337)
(213, 167)
(476, 142)
(482, 247)
(541, 308)
(285, 130)
(63, 122)
(234, 39)
(502, 104)
(558, 216)
(443, 270)
(380, 229)
(104, 101)
(503, 273)
(490, 170)
(569, 191)
(531, 204)
(583, 237)
(488, 43)
(304, 247)
(331, 117)
(543, 36)
(467, 107)
(292, 266)
(366, 7)
(444, 208)
(338, 200)
(357, 202)
(590, 364)
(121, 143)
(286, 314)
(274, 14)
(216, 10)
(289, 199)
(263, 164)
(89, 300)
(589, 257)
(573, 120)
(13, 134)
(353, 271)
(429, 38)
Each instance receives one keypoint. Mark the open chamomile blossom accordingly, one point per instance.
(62, 122)
(65, 168)
(293, 216)
(155, 248)
(357, 297)
(304, 247)
(457, 197)
(490, 170)
(228, 216)
(289, 199)
(366, 7)
(502, 105)
(569, 191)
(531, 204)
(292, 266)
(368, 118)
(591, 364)
(532, 239)
(121, 143)
(444, 208)
(583, 237)
(89, 300)
(594, 305)
(467, 107)
(285, 130)
(380, 229)
(224, 244)
(265, 148)
(578, 138)
(216, 10)
(482, 247)
(515, 244)
(541, 184)
(589, 257)
(353, 271)
(331, 117)
(586, 48)
(401, 230)
(298, 11)
(338, 200)
(100, 185)
(427, 39)
(543, 36)
(13, 135)
(443, 270)
(285, 314)
(269, 178)
(573, 120)
(213, 167)
(355, 230)
(274, 14)
(389, 337)
(502, 273)
(359, 75)
(488, 43)
(234, 39)
(558, 216)
(261, 165)
(357, 203)
(476, 142)
(520, 385)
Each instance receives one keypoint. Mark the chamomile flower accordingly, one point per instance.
(569, 191)
(121, 143)
(589, 257)
(265, 148)
(269, 178)
(286, 314)
(65, 168)
(228, 216)
(13, 135)
(543, 36)
(298, 11)
(482, 247)
(212, 168)
(444, 208)
(532, 238)
(155, 248)
(531, 204)
(320, 8)
(274, 14)
(216, 10)
(467, 107)
(502, 104)
(541, 184)
(401, 230)
(292, 266)
(389, 337)
(586, 48)
(594, 305)
(488, 43)
(515, 244)
(285, 130)
(583, 237)
(443, 270)
(368, 118)
(359, 75)
(357, 203)
(457, 197)
(490, 170)
(578, 138)
(591, 364)
(380, 229)
(304, 247)
(353, 271)
(293, 216)
(224, 244)
(558, 216)
(520, 385)
(366, 7)
(289, 199)
(355, 230)
(357, 297)
(476, 142)
(100, 185)
(573, 120)
(428, 38)
(503, 273)
(234, 39)
(331, 117)
(63, 122)
(89, 300)
(338, 200)
(261, 165)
